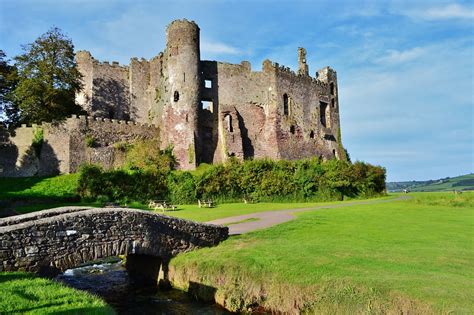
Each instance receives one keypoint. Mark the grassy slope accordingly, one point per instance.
(400, 255)
(25, 293)
(58, 187)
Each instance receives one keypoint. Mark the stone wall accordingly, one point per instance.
(58, 239)
(68, 145)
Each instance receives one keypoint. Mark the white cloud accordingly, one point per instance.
(395, 56)
(216, 48)
(450, 11)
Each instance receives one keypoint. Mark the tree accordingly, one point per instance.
(48, 79)
(8, 79)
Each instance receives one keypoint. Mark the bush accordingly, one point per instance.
(181, 187)
(263, 179)
(146, 156)
(121, 185)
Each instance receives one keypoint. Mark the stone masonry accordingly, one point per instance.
(68, 145)
(51, 241)
(209, 110)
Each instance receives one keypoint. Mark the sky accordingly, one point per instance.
(405, 68)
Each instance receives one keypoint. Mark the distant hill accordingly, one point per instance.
(464, 182)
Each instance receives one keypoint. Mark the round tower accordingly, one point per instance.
(180, 123)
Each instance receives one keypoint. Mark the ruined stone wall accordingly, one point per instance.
(62, 238)
(68, 145)
(113, 91)
(249, 97)
(301, 131)
(265, 127)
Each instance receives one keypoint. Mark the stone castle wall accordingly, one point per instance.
(66, 147)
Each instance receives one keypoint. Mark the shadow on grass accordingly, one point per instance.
(12, 185)
(10, 276)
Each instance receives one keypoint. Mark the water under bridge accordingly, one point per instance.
(50, 241)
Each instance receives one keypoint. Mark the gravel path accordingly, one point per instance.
(271, 218)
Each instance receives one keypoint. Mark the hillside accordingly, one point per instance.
(464, 182)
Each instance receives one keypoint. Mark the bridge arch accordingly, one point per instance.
(51, 241)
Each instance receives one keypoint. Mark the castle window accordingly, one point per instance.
(228, 120)
(208, 84)
(207, 105)
(322, 112)
(292, 129)
(331, 87)
(333, 103)
(176, 96)
(285, 104)
(311, 134)
(334, 153)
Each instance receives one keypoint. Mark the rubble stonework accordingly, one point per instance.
(211, 110)
(68, 145)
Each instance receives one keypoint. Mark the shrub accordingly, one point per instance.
(181, 187)
(146, 156)
(120, 185)
(90, 141)
(259, 179)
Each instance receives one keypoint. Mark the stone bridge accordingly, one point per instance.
(51, 241)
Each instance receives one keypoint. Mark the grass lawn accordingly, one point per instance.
(57, 187)
(25, 293)
(412, 255)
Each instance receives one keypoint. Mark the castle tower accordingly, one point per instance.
(302, 65)
(180, 113)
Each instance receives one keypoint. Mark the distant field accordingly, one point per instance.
(465, 182)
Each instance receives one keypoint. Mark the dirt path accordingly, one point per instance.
(271, 218)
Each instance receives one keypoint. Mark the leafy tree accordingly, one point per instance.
(8, 79)
(48, 79)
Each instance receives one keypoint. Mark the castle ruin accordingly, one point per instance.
(208, 111)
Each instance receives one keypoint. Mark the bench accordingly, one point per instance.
(161, 204)
(205, 203)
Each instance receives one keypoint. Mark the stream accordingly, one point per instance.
(111, 282)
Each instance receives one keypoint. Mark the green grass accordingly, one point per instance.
(25, 293)
(58, 187)
(407, 255)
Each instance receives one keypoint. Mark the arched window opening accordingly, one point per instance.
(292, 130)
(322, 113)
(285, 104)
(333, 103)
(176, 96)
(228, 120)
(311, 134)
(334, 153)
(331, 87)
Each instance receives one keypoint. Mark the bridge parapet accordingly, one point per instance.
(54, 240)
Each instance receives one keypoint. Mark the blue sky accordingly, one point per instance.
(405, 68)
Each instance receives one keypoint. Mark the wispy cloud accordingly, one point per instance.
(396, 56)
(446, 12)
(218, 48)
